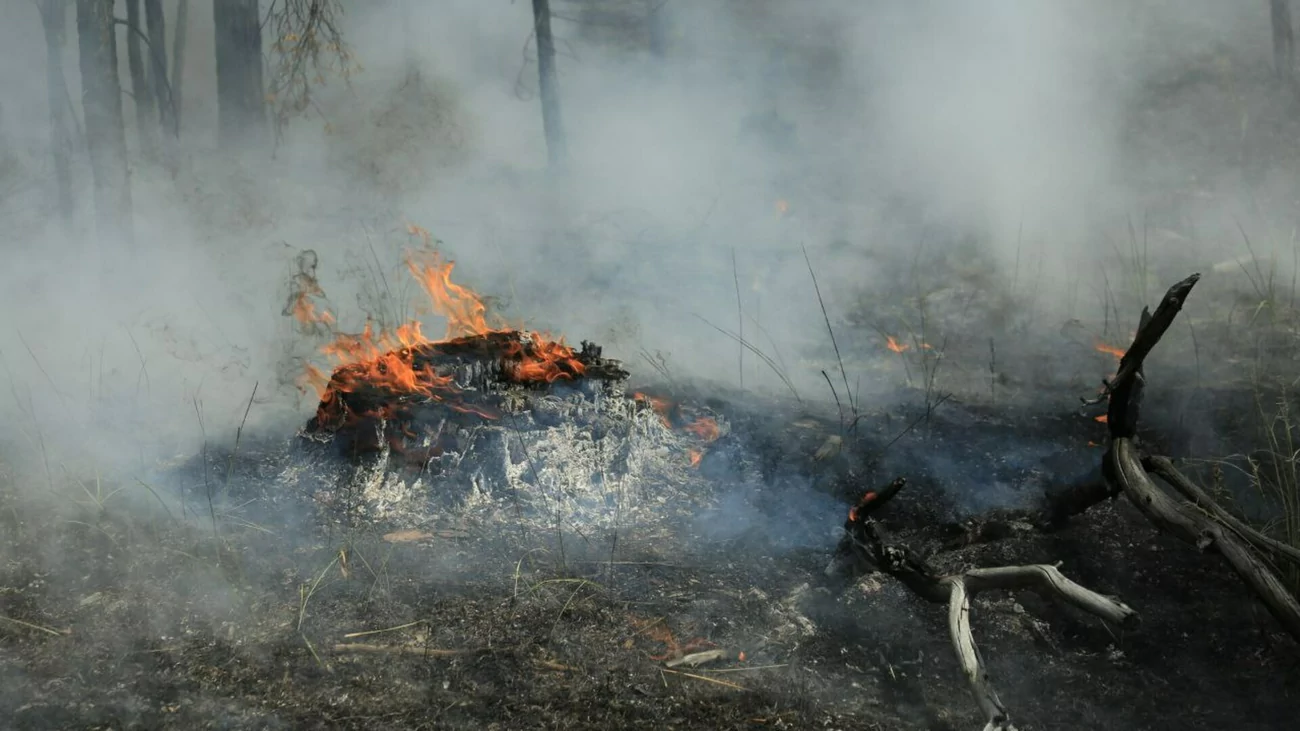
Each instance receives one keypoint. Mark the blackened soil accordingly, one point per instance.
(119, 615)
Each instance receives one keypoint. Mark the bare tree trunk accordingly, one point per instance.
(411, 57)
(54, 19)
(556, 146)
(178, 60)
(141, 93)
(101, 99)
(658, 26)
(241, 116)
(157, 30)
(1283, 38)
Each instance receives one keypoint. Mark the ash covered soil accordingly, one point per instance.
(118, 614)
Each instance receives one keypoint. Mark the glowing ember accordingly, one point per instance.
(662, 406)
(1101, 419)
(853, 511)
(704, 428)
(1110, 350)
(695, 456)
(894, 345)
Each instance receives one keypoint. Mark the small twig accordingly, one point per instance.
(367, 633)
(367, 648)
(740, 318)
(706, 679)
(761, 355)
(852, 405)
(37, 627)
(697, 659)
(207, 482)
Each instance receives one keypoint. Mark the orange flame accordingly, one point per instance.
(387, 360)
(1101, 419)
(894, 345)
(304, 310)
(704, 428)
(853, 511)
(1110, 350)
(695, 456)
(662, 406)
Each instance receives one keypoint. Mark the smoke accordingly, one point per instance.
(865, 131)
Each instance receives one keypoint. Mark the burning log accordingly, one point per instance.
(866, 538)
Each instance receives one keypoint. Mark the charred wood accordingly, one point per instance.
(866, 538)
(1193, 521)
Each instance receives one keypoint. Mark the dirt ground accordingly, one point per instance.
(119, 615)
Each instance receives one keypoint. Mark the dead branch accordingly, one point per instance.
(371, 649)
(1122, 465)
(696, 659)
(1163, 468)
(1124, 390)
(900, 561)
(1196, 527)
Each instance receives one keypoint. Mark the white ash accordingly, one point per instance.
(596, 459)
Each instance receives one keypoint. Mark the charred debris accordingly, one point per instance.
(499, 416)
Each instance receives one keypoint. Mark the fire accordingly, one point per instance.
(304, 310)
(389, 360)
(853, 511)
(1101, 419)
(704, 428)
(897, 346)
(662, 406)
(1110, 350)
(658, 631)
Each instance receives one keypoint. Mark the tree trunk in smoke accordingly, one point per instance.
(1283, 38)
(141, 93)
(658, 27)
(556, 147)
(54, 18)
(241, 116)
(178, 61)
(157, 29)
(101, 100)
(410, 57)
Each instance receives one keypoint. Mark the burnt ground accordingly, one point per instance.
(117, 614)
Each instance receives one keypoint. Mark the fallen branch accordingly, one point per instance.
(1197, 522)
(869, 540)
(1193, 526)
(1163, 468)
(696, 659)
(367, 648)
(715, 681)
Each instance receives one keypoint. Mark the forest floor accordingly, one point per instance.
(116, 614)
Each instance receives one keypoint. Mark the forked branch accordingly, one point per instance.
(867, 538)
(1197, 520)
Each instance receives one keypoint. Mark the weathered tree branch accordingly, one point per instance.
(867, 538)
(1163, 468)
(1122, 466)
